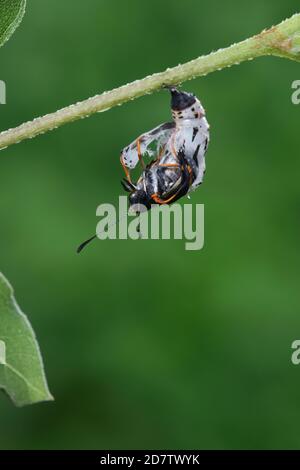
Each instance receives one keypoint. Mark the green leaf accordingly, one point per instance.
(11, 14)
(21, 367)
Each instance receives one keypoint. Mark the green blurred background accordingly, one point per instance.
(147, 345)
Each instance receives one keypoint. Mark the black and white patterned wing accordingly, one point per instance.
(157, 137)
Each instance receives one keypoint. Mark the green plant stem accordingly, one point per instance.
(282, 40)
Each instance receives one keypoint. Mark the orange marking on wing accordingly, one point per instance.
(176, 165)
(126, 170)
(138, 146)
(191, 174)
(160, 153)
(158, 200)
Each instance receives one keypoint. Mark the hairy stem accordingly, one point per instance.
(282, 40)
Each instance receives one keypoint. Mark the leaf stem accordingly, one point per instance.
(282, 40)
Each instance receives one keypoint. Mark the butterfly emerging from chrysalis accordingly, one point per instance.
(177, 157)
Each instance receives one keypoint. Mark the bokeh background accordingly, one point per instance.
(147, 345)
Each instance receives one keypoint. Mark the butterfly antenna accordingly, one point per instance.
(80, 248)
(83, 245)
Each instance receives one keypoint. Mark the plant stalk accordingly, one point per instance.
(282, 40)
